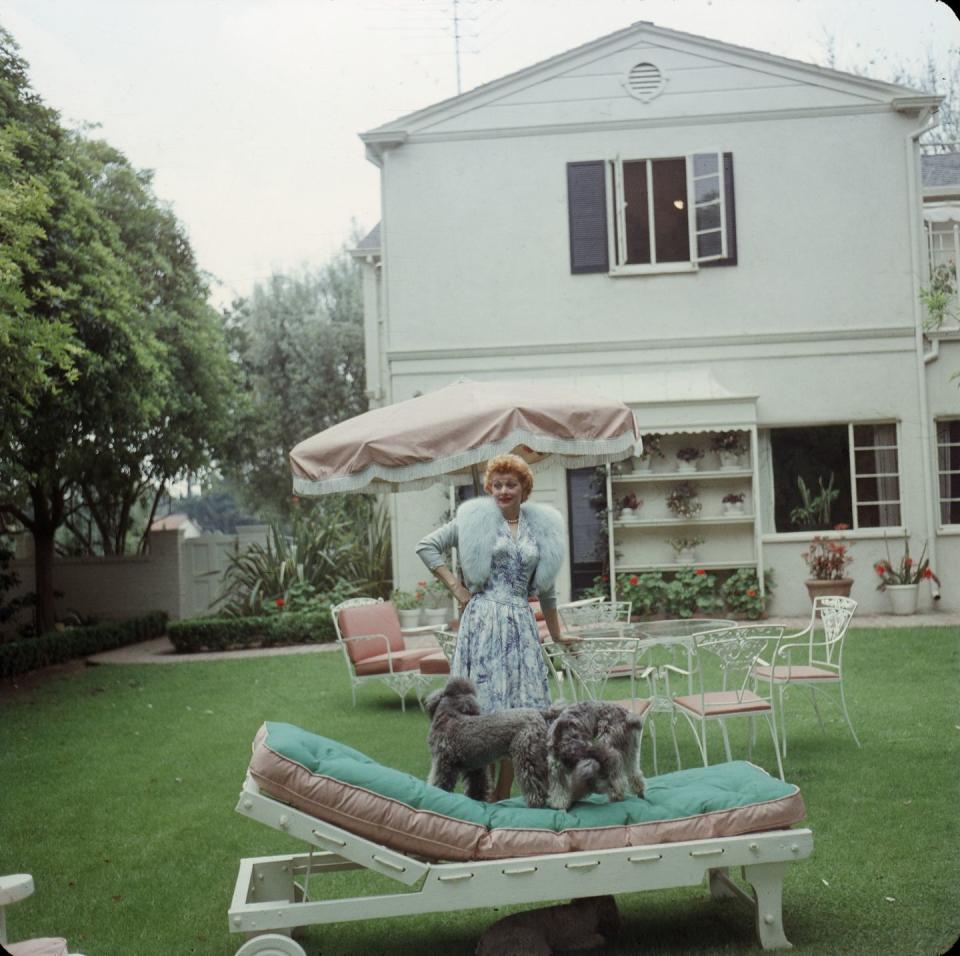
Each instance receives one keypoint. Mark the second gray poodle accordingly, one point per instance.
(464, 742)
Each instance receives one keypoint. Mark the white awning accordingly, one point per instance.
(942, 212)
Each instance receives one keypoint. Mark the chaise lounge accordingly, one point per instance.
(456, 853)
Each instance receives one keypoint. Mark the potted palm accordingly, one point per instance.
(827, 560)
(902, 582)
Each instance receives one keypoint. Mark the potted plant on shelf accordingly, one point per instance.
(827, 560)
(733, 503)
(408, 607)
(651, 449)
(433, 596)
(902, 582)
(688, 457)
(683, 501)
(630, 507)
(684, 549)
(729, 446)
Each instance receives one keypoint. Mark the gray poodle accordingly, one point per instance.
(593, 747)
(463, 741)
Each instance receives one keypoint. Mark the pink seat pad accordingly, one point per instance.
(370, 619)
(722, 702)
(795, 673)
(47, 946)
(435, 663)
(402, 661)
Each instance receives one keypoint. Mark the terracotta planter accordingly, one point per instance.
(903, 598)
(838, 587)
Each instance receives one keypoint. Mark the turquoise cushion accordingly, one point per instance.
(670, 796)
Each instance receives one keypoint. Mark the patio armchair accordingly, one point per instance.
(374, 647)
(14, 888)
(813, 658)
(728, 656)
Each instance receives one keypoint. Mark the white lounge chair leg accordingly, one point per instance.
(767, 882)
(271, 944)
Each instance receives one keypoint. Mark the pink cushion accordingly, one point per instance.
(795, 673)
(48, 946)
(638, 707)
(371, 619)
(435, 663)
(402, 661)
(722, 702)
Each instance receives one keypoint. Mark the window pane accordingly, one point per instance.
(706, 190)
(636, 218)
(819, 457)
(669, 209)
(880, 461)
(950, 512)
(709, 244)
(884, 488)
(704, 163)
(878, 516)
(948, 431)
(869, 436)
(708, 217)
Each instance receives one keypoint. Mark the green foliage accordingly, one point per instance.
(646, 591)
(18, 657)
(936, 297)
(691, 591)
(298, 340)
(404, 600)
(599, 589)
(741, 593)
(337, 547)
(814, 510)
(270, 630)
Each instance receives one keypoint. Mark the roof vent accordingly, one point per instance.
(644, 82)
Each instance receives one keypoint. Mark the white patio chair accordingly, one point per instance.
(18, 887)
(369, 634)
(812, 657)
(735, 652)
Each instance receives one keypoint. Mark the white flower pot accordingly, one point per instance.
(436, 616)
(686, 556)
(686, 466)
(631, 514)
(729, 460)
(409, 617)
(903, 598)
(733, 508)
(641, 464)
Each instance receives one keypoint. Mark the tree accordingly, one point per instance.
(299, 341)
(102, 270)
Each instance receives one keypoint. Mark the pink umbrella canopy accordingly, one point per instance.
(444, 434)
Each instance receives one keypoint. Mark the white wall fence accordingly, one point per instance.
(181, 575)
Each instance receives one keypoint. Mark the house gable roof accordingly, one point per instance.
(702, 77)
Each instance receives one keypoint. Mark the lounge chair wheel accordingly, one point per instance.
(271, 944)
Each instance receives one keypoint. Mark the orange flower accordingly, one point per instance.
(928, 573)
(751, 592)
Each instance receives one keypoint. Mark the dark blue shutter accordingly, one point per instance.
(731, 212)
(587, 208)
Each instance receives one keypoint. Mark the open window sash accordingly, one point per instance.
(706, 197)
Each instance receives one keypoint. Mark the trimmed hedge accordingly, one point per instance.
(231, 633)
(55, 647)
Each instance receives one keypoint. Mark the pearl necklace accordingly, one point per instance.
(512, 520)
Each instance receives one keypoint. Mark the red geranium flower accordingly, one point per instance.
(634, 579)
(928, 573)
(699, 571)
(751, 592)
(279, 602)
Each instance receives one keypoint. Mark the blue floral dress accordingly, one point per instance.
(499, 645)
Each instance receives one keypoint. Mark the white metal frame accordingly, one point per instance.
(269, 902)
(13, 888)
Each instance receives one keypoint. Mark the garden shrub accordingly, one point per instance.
(55, 647)
(267, 630)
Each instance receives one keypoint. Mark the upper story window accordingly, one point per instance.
(835, 474)
(636, 216)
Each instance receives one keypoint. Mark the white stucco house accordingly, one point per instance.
(722, 238)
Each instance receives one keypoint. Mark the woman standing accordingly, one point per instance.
(509, 548)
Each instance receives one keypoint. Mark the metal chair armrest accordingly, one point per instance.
(372, 637)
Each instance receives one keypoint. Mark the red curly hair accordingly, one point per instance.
(509, 465)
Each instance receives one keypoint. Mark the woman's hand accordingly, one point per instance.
(462, 594)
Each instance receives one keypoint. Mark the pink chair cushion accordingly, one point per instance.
(722, 702)
(435, 663)
(371, 619)
(402, 661)
(638, 707)
(48, 946)
(795, 673)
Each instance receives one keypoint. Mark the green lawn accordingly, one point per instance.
(119, 783)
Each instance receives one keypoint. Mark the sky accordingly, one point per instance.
(249, 111)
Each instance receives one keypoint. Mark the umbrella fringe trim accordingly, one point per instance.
(577, 453)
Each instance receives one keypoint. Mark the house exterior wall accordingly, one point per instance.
(817, 318)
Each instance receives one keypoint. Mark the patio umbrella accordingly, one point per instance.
(446, 434)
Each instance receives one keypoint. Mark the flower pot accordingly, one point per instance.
(686, 466)
(624, 467)
(733, 508)
(838, 587)
(729, 460)
(686, 556)
(409, 617)
(641, 464)
(631, 514)
(903, 598)
(436, 616)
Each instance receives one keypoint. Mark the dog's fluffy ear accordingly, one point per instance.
(432, 702)
(459, 687)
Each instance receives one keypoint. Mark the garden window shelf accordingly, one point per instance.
(683, 522)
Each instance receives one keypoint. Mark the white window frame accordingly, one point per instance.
(941, 472)
(854, 448)
(617, 229)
